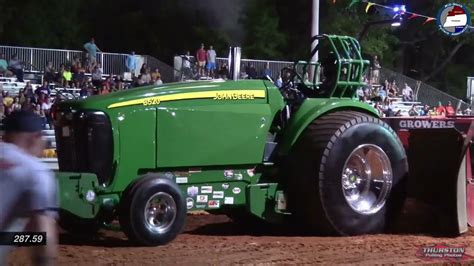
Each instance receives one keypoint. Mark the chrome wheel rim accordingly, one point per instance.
(367, 179)
(160, 212)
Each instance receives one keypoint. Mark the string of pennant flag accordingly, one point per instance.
(411, 15)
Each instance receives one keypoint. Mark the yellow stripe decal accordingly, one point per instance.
(216, 95)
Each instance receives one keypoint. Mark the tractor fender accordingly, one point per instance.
(311, 109)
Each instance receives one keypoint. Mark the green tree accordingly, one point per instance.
(440, 60)
(378, 40)
(263, 37)
(415, 47)
(47, 23)
(295, 23)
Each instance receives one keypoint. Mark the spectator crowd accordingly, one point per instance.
(38, 101)
(82, 76)
(388, 97)
(14, 67)
(204, 65)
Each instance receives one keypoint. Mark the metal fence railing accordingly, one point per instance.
(424, 93)
(166, 71)
(113, 63)
(35, 59)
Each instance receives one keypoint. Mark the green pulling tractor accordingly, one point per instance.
(306, 153)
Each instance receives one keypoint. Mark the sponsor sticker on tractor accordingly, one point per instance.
(225, 186)
(189, 203)
(236, 190)
(229, 200)
(181, 180)
(214, 204)
(218, 194)
(238, 176)
(281, 201)
(193, 191)
(443, 252)
(206, 189)
(201, 199)
(229, 174)
(251, 172)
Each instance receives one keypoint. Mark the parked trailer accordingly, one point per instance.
(440, 160)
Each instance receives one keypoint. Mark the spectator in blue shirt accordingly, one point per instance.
(267, 71)
(279, 82)
(84, 92)
(3, 64)
(131, 62)
(382, 93)
(92, 50)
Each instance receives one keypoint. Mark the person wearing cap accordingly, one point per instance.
(28, 190)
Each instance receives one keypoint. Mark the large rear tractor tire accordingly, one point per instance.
(152, 211)
(347, 175)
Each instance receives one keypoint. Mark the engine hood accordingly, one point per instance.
(152, 95)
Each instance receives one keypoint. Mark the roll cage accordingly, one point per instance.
(338, 73)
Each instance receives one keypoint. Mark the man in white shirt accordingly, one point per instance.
(407, 93)
(211, 61)
(360, 93)
(28, 190)
(186, 67)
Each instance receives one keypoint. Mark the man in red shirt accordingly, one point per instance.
(440, 110)
(450, 110)
(201, 55)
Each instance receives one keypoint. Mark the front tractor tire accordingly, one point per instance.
(347, 175)
(152, 211)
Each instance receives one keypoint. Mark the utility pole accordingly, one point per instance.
(315, 27)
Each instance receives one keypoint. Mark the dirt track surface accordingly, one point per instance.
(214, 239)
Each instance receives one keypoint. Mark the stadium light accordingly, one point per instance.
(401, 9)
(396, 24)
